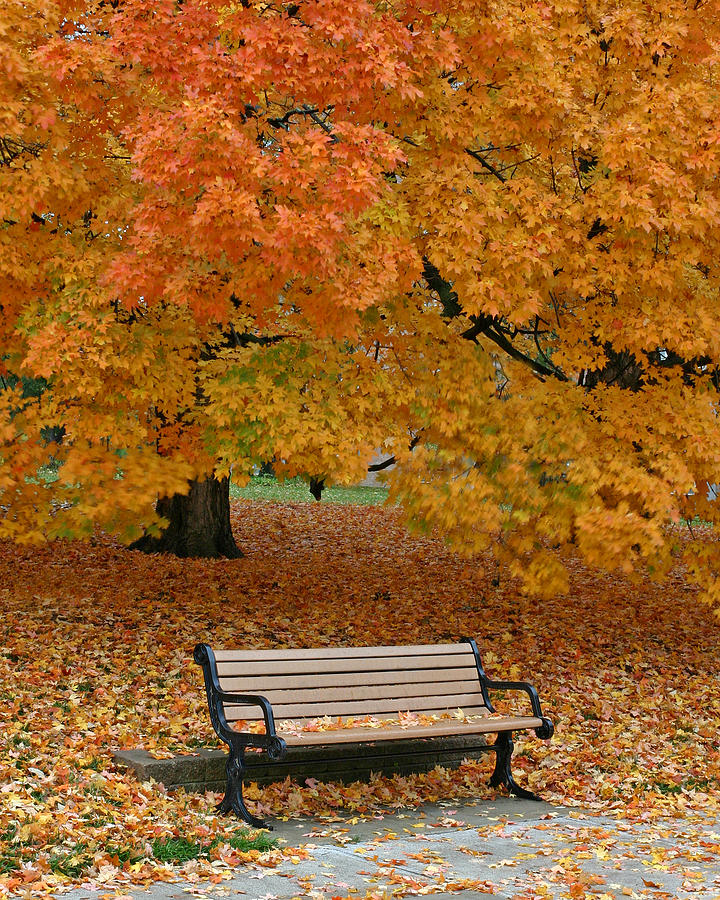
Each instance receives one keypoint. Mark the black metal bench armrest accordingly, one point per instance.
(518, 686)
(217, 698)
(252, 700)
(547, 729)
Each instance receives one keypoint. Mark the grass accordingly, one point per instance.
(261, 842)
(73, 863)
(267, 487)
(295, 490)
(177, 850)
(180, 850)
(9, 862)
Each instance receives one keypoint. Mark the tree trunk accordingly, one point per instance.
(199, 523)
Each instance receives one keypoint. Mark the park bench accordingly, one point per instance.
(425, 691)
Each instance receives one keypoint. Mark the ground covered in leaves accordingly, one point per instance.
(97, 656)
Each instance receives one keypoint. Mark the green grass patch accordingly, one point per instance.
(296, 490)
(73, 863)
(122, 855)
(240, 841)
(9, 862)
(664, 787)
(180, 850)
(177, 850)
(689, 783)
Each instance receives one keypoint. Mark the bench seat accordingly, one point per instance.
(441, 728)
(278, 699)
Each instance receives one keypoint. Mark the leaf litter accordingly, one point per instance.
(97, 656)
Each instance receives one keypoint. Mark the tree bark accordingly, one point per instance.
(199, 523)
(317, 486)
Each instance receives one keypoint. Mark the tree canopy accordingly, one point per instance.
(481, 236)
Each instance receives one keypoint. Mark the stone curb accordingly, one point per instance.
(205, 770)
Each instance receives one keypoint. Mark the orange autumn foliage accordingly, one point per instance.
(481, 236)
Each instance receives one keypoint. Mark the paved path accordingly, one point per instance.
(508, 849)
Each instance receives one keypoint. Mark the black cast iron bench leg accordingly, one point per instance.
(233, 799)
(503, 748)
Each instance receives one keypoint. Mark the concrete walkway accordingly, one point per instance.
(508, 849)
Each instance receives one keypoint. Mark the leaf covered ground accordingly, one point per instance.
(97, 656)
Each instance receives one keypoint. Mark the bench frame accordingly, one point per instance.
(276, 748)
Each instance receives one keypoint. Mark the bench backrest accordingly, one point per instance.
(354, 681)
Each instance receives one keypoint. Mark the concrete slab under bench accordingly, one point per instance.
(205, 770)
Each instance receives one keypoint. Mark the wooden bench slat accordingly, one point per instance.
(369, 693)
(338, 652)
(253, 714)
(341, 664)
(249, 684)
(438, 729)
(319, 709)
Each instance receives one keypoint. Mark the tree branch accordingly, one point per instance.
(13, 148)
(385, 464)
(539, 368)
(390, 461)
(448, 297)
(486, 325)
(246, 338)
(312, 112)
(485, 164)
